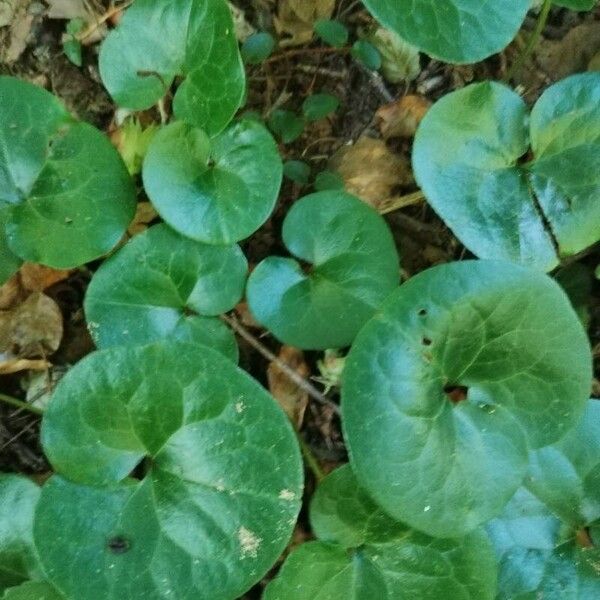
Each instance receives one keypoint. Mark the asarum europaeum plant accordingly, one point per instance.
(474, 448)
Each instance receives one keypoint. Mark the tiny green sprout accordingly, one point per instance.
(331, 367)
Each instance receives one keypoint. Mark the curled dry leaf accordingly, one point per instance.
(37, 278)
(16, 21)
(31, 329)
(296, 19)
(16, 365)
(401, 118)
(291, 398)
(144, 215)
(371, 171)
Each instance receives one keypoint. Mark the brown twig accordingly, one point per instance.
(310, 389)
(302, 51)
(109, 14)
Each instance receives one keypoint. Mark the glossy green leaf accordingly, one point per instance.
(468, 158)
(215, 191)
(32, 590)
(18, 497)
(65, 195)
(577, 4)
(353, 268)
(162, 285)
(286, 125)
(457, 31)
(465, 368)
(545, 538)
(328, 180)
(258, 47)
(365, 555)
(332, 32)
(160, 40)
(297, 171)
(220, 491)
(318, 106)
(367, 54)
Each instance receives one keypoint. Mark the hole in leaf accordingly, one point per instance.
(423, 312)
(118, 544)
(426, 341)
(211, 163)
(456, 393)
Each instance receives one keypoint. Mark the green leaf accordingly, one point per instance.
(286, 125)
(318, 106)
(457, 31)
(65, 196)
(32, 590)
(71, 45)
(257, 48)
(466, 367)
(160, 40)
(9, 263)
(364, 554)
(220, 491)
(218, 191)
(18, 497)
(297, 171)
(162, 285)
(354, 267)
(328, 180)
(545, 539)
(367, 54)
(332, 32)
(468, 159)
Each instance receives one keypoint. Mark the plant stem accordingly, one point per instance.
(402, 202)
(111, 12)
(310, 389)
(532, 42)
(311, 460)
(20, 404)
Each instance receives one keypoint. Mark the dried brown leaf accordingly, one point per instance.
(401, 118)
(37, 278)
(296, 19)
(371, 171)
(292, 398)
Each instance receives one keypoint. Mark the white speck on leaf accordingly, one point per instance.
(427, 508)
(239, 407)
(287, 495)
(249, 542)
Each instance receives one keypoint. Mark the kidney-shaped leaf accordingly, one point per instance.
(18, 497)
(468, 158)
(65, 195)
(158, 40)
(215, 191)
(458, 31)
(162, 285)
(354, 267)
(365, 555)
(221, 489)
(466, 366)
(547, 539)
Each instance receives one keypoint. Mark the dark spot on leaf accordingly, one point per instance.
(189, 312)
(584, 539)
(423, 312)
(456, 393)
(118, 544)
(426, 341)
(211, 163)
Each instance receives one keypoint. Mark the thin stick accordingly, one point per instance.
(402, 202)
(111, 12)
(310, 389)
(20, 404)
(532, 42)
(303, 51)
(310, 459)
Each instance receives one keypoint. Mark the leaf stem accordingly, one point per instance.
(532, 42)
(20, 404)
(310, 459)
(310, 389)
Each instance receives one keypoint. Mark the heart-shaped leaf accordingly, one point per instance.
(464, 368)
(548, 538)
(158, 40)
(468, 158)
(458, 31)
(219, 496)
(353, 268)
(215, 191)
(162, 285)
(65, 195)
(364, 554)
(18, 497)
